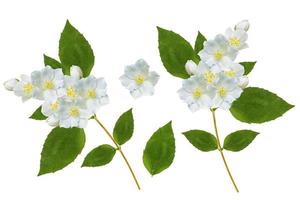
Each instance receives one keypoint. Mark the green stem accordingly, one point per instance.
(221, 150)
(118, 147)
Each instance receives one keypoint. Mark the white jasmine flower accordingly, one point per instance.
(70, 88)
(48, 80)
(242, 25)
(74, 114)
(243, 82)
(138, 79)
(93, 90)
(210, 73)
(76, 72)
(217, 52)
(236, 39)
(227, 91)
(195, 93)
(10, 84)
(25, 89)
(51, 108)
(234, 71)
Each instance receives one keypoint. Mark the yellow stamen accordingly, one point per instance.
(197, 93)
(230, 73)
(74, 111)
(91, 94)
(48, 85)
(209, 76)
(139, 79)
(234, 41)
(27, 88)
(54, 106)
(71, 92)
(218, 54)
(222, 91)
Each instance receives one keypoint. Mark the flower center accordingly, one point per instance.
(234, 41)
(218, 54)
(197, 93)
(54, 106)
(74, 111)
(230, 73)
(91, 94)
(222, 91)
(27, 88)
(71, 92)
(209, 76)
(139, 79)
(48, 85)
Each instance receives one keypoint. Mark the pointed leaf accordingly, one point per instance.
(48, 61)
(38, 115)
(123, 129)
(248, 66)
(202, 140)
(99, 156)
(257, 105)
(160, 150)
(199, 42)
(61, 148)
(239, 140)
(74, 49)
(175, 51)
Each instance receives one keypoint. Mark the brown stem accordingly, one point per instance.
(118, 147)
(221, 150)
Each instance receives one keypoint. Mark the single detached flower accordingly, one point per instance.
(138, 80)
(48, 81)
(217, 52)
(93, 91)
(195, 93)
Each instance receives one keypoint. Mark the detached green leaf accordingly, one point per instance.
(199, 42)
(239, 140)
(74, 49)
(48, 61)
(257, 105)
(61, 148)
(99, 156)
(175, 51)
(202, 140)
(160, 150)
(38, 115)
(248, 66)
(123, 129)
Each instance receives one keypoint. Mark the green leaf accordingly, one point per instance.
(74, 49)
(123, 129)
(159, 152)
(38, 115)
(99, 156)
(257, 105)
(61, 148)
(248, 66)
(48, 61)
(239, 140)
(175, 51)
(199, 42)
(202, 140)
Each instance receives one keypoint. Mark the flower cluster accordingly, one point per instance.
(216, 81)
(69, 101)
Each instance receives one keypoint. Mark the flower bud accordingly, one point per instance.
(242, 25)
(76, 72)
(243, 82)
(10, 84)
(191, 67)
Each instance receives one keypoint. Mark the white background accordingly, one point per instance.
(121, 32)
